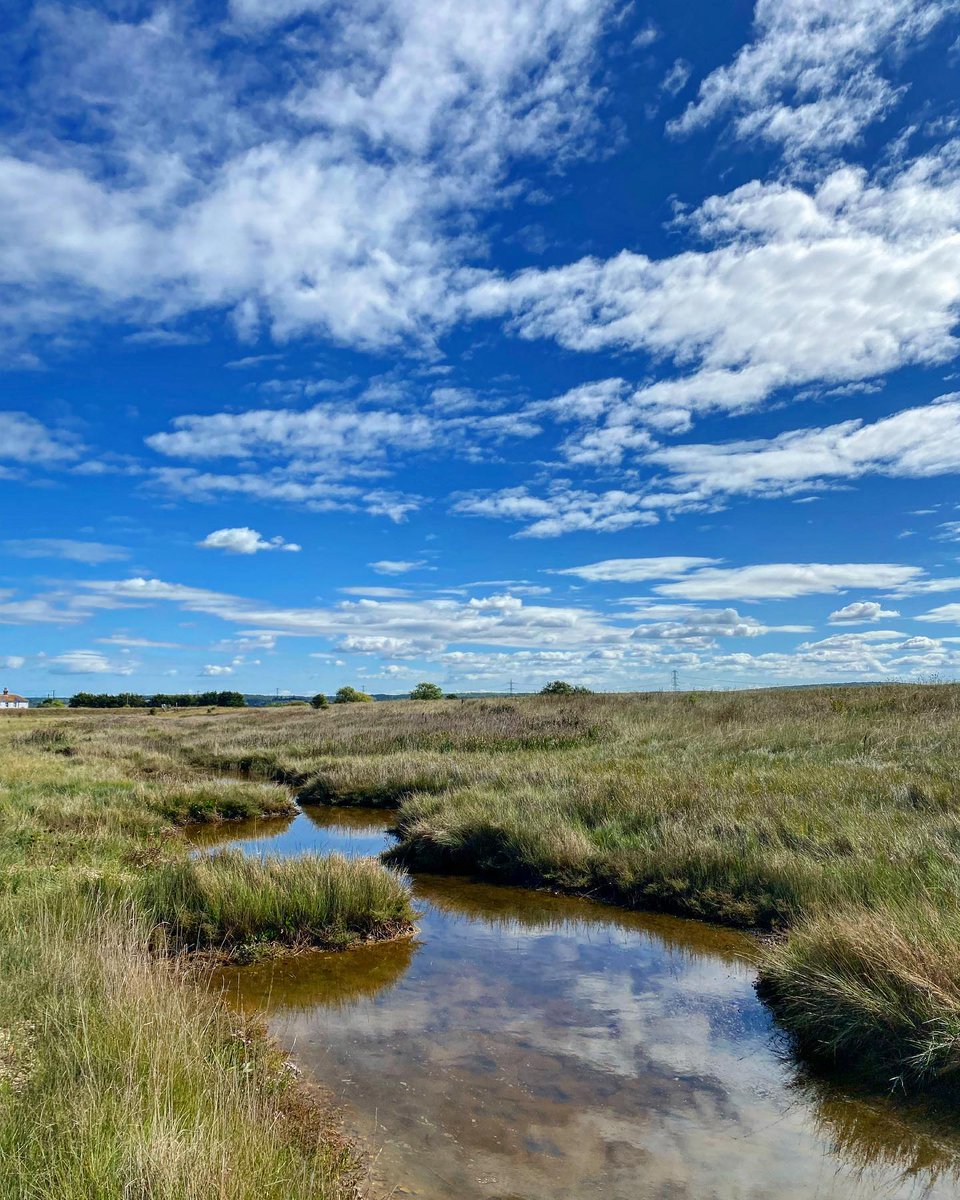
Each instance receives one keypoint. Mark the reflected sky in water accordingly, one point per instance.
(550, 1048)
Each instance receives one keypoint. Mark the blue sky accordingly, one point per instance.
(413, 339)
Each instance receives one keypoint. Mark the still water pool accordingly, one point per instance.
(537, 1047)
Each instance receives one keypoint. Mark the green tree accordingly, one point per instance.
(560, 687)
(427, 691)
(350, 695)
(52, 702)
(319, 701)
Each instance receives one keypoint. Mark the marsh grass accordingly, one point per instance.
(128, 1082)
(775, 809)
(202, 802)
(231, 902)
(118, 1077)
(829, 815)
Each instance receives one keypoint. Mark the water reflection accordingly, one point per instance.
(536, 1046)
(356, 832)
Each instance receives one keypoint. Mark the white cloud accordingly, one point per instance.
(946, 613)
(376, 593)
(334, 207)
(781, 581)
(325, 434)
(500, 635)
(915, 443)
(564, 510)
(859, 612)
(923, 586)
(676, 78)
(397, 566)
(703, 625)
(213, 670)
(89, 662)
(636, 570)
(295, 484)
(812, 80)
(13, 662)
(23, 439)
(244, 540)
(836, 285)
(65, 548)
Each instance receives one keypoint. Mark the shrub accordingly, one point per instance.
(427, 691)
(319, 701)
(560, 687)
(350, 695)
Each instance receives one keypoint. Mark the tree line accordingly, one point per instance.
(160, 700)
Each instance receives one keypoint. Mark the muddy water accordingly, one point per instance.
(547, 1048)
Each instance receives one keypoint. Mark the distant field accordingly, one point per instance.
(828, 816)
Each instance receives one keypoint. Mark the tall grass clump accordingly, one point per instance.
(229, 900)
(199, 802)
(118, 1079)
(879, 986)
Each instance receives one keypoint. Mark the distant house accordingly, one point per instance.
(10, 699)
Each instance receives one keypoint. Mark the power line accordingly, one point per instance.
(676, 680)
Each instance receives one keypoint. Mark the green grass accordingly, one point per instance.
(207, 801)
(119, 1079)
(774, 809)
(228, 900)
(119, 1076)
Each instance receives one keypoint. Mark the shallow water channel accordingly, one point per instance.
(537, 1047)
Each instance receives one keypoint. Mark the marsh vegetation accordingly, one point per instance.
(830, 817)
(117, 1077)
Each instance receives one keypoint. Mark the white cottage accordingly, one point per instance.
(10, 699)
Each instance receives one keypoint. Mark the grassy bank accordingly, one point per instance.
(119, 1078)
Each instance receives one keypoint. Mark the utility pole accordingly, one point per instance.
(676, 680)
(511, 687)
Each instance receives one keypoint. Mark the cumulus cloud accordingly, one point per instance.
(781, 581)
(65, 548)
(859, 612)
(703, 625)
(397, 566)
(812, 79)
(244, 540)
(835, 284)
(915, 443)
(212, 670)
(636, 570)
(13, 662)
(324, 434)
(565, 509)
(472, 637)
(89, 662)
(337, 207)
(23, 439)
(295, 484)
